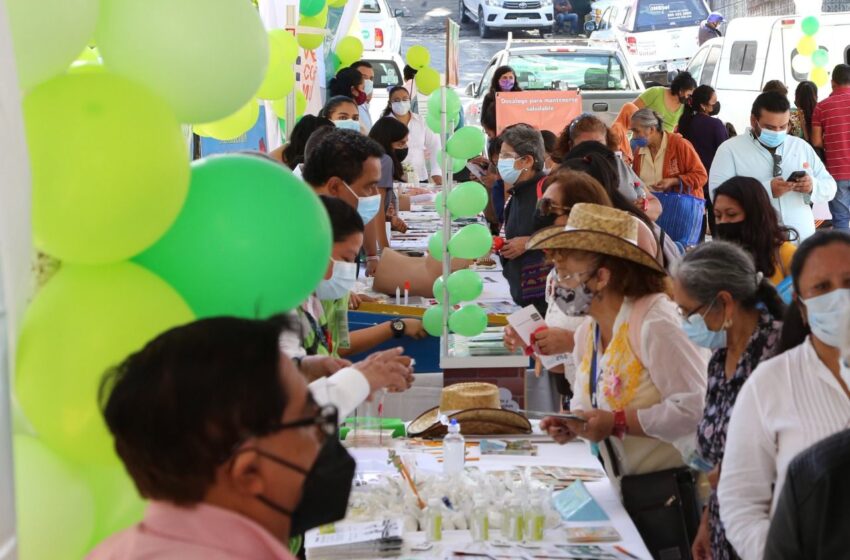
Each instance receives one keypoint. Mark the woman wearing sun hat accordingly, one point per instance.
(640, 382)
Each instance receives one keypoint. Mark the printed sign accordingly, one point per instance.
(544, 110)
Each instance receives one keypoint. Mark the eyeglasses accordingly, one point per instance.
(564, 278)
(546, 207)
(686, 315)
(777, 165)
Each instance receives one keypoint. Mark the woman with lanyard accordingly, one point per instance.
(640, 382)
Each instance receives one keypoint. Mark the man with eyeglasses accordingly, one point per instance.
(787, 166)
(220, 433)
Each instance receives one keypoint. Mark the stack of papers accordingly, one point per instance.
(354, 540)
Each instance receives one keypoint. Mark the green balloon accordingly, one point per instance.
(820, 58)
(117, 503)
(100, 200)
(434, 122)
(286, 44)
(427, 80)
(465, 285)
(48, 35)
(235, 125)
(810, 25)
(349, 50)
(469, 320)
(432, 320)
(466, 143)
(63, 353)
(418, 57)
(50, 495)
(252, 240)
(453, 104)
(471, 242)
(438, 292)
(207, 58)
(311, 8)
(280, 74)
(468, 199)
(456, 164)
(435, 246)
(312, 41)
(82, 67)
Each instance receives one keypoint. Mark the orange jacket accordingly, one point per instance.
(681, 161)
(620, 130)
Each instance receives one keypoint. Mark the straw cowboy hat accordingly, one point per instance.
(605, 230)
(476, 407)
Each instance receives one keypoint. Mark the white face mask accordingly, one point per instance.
(401, 108)
(367, 206)
(368, 86)
(827, 316)
(341, 283)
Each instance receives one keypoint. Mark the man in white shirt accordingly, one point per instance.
(368, 73)
(767, 153)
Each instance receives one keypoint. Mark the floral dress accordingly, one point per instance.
(720, 397)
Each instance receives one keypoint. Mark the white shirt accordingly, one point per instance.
(346, 390)
(365, 118)
(789, 403)
(422, 145)
(746, 156)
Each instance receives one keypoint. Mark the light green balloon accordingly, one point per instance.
(434, 122)
(820, 58)
(469, 320)
(810, 25)
(418, 57)
(471, 242)
(312, 41)
(453, 104)
(465, 285)
(468, 199)
(63, 352)
(207, 58)
(427, 80)
(83, 67)
(48, 35)
(456, 164)
(286, 44)
(432, 320)
(56, 514)
(466, 143)
(99, 199)
(280, 74)
(349, 50)
(438, 292)
(117, 503)
(435, 246)
(234, 125)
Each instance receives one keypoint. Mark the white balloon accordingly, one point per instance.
(802, 64)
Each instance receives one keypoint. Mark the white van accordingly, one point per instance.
(379, 27)
(755, 50)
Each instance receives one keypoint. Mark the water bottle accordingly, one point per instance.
(513, 521)
(480, 523)
(454, 449)
(535, 521)
(434, 520)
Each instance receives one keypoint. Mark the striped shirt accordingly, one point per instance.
(833, 116)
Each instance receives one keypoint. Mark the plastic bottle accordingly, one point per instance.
(454, 449)
(434, 520)
(535, 521)
(641, 196)
(480, 523)
(512, 521)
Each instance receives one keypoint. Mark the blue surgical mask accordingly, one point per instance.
(367, 206)
(508, 172)
(368, 86)
(342, 281)
(772, 138)
(699, 333)
(348, 124)
(400, 108)
(638, 142)
(827, 316)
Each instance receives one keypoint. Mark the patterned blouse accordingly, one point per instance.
(720, 397)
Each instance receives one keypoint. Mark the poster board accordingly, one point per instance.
(544, 110)
(452, 53)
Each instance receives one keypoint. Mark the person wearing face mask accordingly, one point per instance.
(423, 146)
(521, 168)
(669, 102)
(504, 79)
(792, 400)
(237, 457)
(699, 126)
(342, 111)
(640, 382)
(744, 216)
(368, 73)
(349, 82)
(767, 153)
(731, 309)
(393, 137)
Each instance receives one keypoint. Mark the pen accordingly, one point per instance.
(622, 550)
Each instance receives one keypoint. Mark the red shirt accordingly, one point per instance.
(833, 116)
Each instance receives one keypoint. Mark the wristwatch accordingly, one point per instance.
(397, 326)
(620, 426)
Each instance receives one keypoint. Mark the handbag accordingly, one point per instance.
(681, 215)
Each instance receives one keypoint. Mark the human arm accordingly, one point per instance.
(693, 173)
(783, 538)
(363, 340)
(817, 128)
(653, 206)
(722, 167)
(380, 222)
(432, 146)
(701, 549)
(823, 186)
(553, 341)
(515, 247)
(370, 245)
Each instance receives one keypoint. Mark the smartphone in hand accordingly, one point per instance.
(796, 176)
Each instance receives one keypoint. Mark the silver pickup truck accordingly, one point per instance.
(602, 74)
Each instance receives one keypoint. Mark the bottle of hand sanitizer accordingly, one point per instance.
(454, 449)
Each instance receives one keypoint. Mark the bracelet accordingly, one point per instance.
(298, 361)
(372, 258)
(620, 425)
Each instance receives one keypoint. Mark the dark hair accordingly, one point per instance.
(488, 117)
(761, 232)
(634, 280)
(794, 328)
(389, 108)
(344, 81)
(334, 102)
(293, 154)
(682, 82)
(178, 407)
(385, 131)
(730, 129)
(775, 86)
(409, 72)
(494, 146)
(806, 99)
(841, 74)
(549, 141)
(577, 187)
(361, 63)
(501, 71)
(772, 102)
(586, 123)
(701, 96)
(345, 221)
(340, 154)
(315, 138)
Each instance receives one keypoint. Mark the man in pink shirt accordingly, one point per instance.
(218, 430)
(831, 131)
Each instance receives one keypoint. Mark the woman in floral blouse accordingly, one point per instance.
(733, 310)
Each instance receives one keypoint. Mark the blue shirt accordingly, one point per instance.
(745, 156)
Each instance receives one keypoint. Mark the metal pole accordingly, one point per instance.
(291, 22)
(447, 222)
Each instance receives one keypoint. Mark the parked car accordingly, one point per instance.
(755, 50)
(658, 35)
(492, 15)
(388, 73)
(602, 74)
(379, 27)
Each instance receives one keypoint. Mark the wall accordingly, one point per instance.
(739, 8)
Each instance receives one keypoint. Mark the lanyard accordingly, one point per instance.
(594, 447)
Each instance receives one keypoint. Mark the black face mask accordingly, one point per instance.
(733, 232)
(400, 153)
(683, 100)
(715, 110)
(541, 221)
(324, 498)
